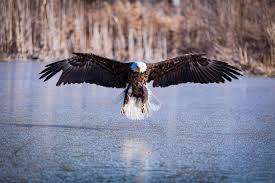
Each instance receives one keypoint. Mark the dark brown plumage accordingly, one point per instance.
(89, 68)
(193, 68)
(134, 76)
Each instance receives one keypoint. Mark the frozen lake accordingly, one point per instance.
(206, 133)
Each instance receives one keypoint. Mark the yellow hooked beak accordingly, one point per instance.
(139, 70)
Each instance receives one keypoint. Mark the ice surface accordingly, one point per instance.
(75, 133)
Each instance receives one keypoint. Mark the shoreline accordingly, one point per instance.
(245, 72)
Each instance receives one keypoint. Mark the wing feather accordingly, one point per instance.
(194, 68)
(88, 68)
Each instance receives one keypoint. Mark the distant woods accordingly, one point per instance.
(238, 31)
(54, 28)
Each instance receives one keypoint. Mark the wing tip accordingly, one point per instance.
(41, 77)
(76, 53)
(57, 84)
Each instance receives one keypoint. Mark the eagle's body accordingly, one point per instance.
(137, 81)
(134, 76)
(137, 86)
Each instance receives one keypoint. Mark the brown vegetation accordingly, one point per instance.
(238, 31)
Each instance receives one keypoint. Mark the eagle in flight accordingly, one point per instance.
(138, 101)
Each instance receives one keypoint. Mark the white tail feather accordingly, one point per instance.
(133, 109)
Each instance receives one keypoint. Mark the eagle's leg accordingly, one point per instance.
(126, 99)
(144, 99)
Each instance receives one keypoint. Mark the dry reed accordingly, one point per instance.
(238, 31)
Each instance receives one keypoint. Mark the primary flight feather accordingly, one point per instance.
(134, 76)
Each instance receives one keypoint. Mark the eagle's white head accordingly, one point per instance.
(139, 67)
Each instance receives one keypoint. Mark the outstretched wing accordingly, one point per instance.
(88, 68)
(191, 68)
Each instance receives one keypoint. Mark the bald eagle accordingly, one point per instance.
(138, 101)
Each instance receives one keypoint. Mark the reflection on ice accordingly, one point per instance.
(135, 152)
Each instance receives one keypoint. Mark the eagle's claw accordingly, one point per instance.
(123, 110)
(143, 109)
